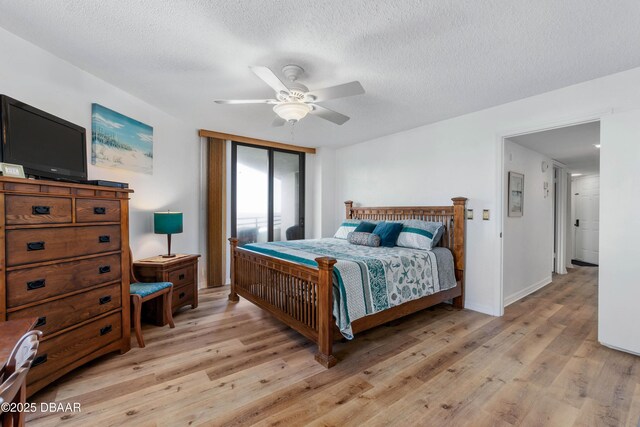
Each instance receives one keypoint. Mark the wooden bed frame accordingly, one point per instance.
(302, 296)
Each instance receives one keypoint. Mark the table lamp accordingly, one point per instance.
(167, 223)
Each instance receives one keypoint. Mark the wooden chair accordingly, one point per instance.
(14, 385)
(141, 292)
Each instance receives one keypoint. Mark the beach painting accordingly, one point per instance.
(120, 142)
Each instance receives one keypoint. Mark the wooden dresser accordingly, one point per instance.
(64, 259)
(181, 270)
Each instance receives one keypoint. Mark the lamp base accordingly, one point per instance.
(168, 256)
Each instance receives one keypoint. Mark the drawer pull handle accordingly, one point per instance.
(104, 269)
(181, 295)
(35, 246)
(106, 330)
(180, 277)
(104, 239)
(41, 321)
(36, 284)
(105, 300)
(99, 211)
(40, 210)
(39, 360)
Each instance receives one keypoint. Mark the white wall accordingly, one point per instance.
(528, 240)
(619, 291)
(462, 157)
(323, 194)
(38, 78)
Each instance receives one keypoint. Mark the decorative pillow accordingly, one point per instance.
(364, 239)
(419, 234)
(388, 232)
(365, 227)
(346, 227)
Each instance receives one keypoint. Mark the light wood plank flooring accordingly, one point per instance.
(231, 364)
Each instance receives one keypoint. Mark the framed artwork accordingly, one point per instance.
(516, 194)
(120, 142)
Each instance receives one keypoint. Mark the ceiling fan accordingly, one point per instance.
(294, 100)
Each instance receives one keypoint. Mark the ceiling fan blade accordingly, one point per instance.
(340, 91)
(245, 101)
(328, 114)
(278, 121)
(269, 78)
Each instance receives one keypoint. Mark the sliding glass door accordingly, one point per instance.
(267, 194)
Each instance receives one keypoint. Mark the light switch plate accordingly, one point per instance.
(469, 213)
(485, 214)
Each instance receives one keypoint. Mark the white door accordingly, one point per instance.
(586, 220)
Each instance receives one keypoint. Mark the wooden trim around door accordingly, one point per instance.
(261, 142)
(216, 212)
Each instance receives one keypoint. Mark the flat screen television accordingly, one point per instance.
(45, 145)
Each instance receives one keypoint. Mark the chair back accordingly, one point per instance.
(132, 275)
(23, 353)
(10, 387)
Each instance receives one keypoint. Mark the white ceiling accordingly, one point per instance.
(420, 61)
(571, 145)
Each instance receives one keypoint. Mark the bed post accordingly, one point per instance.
(324, 303)
(232, 295)
(348, 205)
(459, 217)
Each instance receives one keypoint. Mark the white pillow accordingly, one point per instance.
(346, 227)
(419, 234)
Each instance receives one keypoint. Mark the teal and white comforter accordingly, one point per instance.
(367, 279)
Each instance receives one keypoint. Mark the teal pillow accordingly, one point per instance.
(388, 232)
(365, 227)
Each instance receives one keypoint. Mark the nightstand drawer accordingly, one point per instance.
(181, 276)
(37, 210)
(96, 210)
(56, 353)
(45, 244)
(62, 313)
(182, 296)
(34, 284)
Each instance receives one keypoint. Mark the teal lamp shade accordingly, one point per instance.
(167, 223)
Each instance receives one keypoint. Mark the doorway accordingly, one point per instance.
(586, 219)
(267, 194)
(543, 240)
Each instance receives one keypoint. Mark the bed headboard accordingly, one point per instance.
(453, 218)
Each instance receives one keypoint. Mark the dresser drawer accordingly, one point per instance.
(182, 296)
(97, 210)
(181, 276)
(45, 244)
(35, 284)
(56, 353)
(37, 210)
(62, 313)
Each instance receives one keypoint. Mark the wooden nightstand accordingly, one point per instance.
(181, 270)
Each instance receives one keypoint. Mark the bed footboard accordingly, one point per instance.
(297, 295)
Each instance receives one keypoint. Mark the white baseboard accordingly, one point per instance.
(480, 308)
(619, 349)
(526, 291)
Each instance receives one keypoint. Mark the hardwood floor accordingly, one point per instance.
(231, 364)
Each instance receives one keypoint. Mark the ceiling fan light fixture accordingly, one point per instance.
(292, 111)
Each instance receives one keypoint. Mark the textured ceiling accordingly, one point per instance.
(419, 61)
(571, 145)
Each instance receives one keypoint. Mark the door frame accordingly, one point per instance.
(502, 182)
